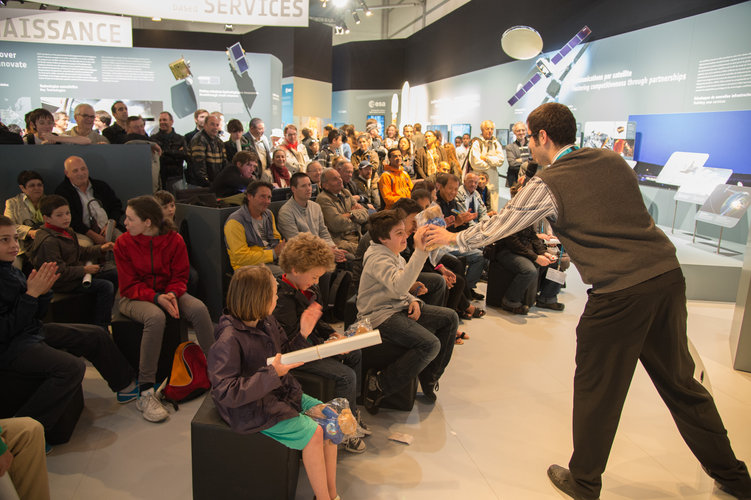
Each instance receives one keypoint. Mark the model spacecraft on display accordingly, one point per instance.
(544, 68)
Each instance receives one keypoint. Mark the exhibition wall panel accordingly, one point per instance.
(61, 76)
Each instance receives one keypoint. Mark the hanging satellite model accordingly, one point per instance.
(236, 56)
(544, 68)
(181, 69)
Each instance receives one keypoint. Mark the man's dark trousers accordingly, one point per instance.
(647, 323)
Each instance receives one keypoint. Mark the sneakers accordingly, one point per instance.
(522, 309)
(354, 445)
(361, 425)
(553, 306)
(129, 394)
(372, 394)
(153, 410)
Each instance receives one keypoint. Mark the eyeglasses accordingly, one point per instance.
(532, 135)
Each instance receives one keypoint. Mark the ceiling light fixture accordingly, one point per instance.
(157, 19)
(365, 7)
(228, 27)
(356, 17)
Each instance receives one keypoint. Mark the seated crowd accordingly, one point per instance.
(349, 207)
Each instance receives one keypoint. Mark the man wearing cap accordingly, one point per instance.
(366, 184)
(394, 182)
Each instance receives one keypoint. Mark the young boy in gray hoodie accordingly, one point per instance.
(384, 298)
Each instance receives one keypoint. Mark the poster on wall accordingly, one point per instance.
(617, 136)
(60, 76)
(381, 120)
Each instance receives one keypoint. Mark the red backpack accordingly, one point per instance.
(189, 378)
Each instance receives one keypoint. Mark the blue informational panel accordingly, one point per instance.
(288, 100)
(720, 134)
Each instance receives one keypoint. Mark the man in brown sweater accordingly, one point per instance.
(636, 309)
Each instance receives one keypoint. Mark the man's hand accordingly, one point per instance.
(418, 289)
(357, 206)
(91, 268)
(542, 261)
(339, 254)
(278, 248)
(414, 310)
(448, 276)
(168, 301)
(282, 369)
(309, 318)
(464, 217)
(97, 238)
(439, 236)
(449, 220)
(5, 460)
(544, 236)
(107, 247)
(33, 233)
(40, 280)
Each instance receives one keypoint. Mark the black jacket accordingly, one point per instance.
(289, 307)
(102, 192)
(115, 134)
(174, 153)
(20, 314)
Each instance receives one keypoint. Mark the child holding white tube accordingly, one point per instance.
(252, 396)
(78, 267)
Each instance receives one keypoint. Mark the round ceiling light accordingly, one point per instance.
(521, 42)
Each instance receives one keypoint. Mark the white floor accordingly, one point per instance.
(503, 415)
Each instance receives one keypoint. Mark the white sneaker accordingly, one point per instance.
(152, 408)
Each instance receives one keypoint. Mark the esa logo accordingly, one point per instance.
(377, 104)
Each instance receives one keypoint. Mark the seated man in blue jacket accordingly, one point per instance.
(30, 348)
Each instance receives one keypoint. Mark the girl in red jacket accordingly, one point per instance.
(153, 264)
(252, 396)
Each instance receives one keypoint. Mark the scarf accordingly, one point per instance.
(280, 174)
(59, 230)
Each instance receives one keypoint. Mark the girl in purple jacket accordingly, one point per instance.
(254, 397)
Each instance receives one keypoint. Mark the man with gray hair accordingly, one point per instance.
(486, 153)
(517, 153)
(259, 143)
(343, 216)
(85, 115)
(208, 157)
(468, 197)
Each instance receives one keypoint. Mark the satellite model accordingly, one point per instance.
(236, 56)
(544, 65)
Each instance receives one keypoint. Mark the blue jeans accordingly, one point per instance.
(429, 342)
(525, 274)
(475, 265)
(344, 370)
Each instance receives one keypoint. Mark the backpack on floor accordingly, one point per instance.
(189, 378)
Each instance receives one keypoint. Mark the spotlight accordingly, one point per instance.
(42, 7)
(365, 7)
(157, 19)
(356, 17)
(338, 30)
(228, 27)
(346, 28)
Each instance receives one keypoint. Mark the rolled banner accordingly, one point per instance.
(87, 277)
